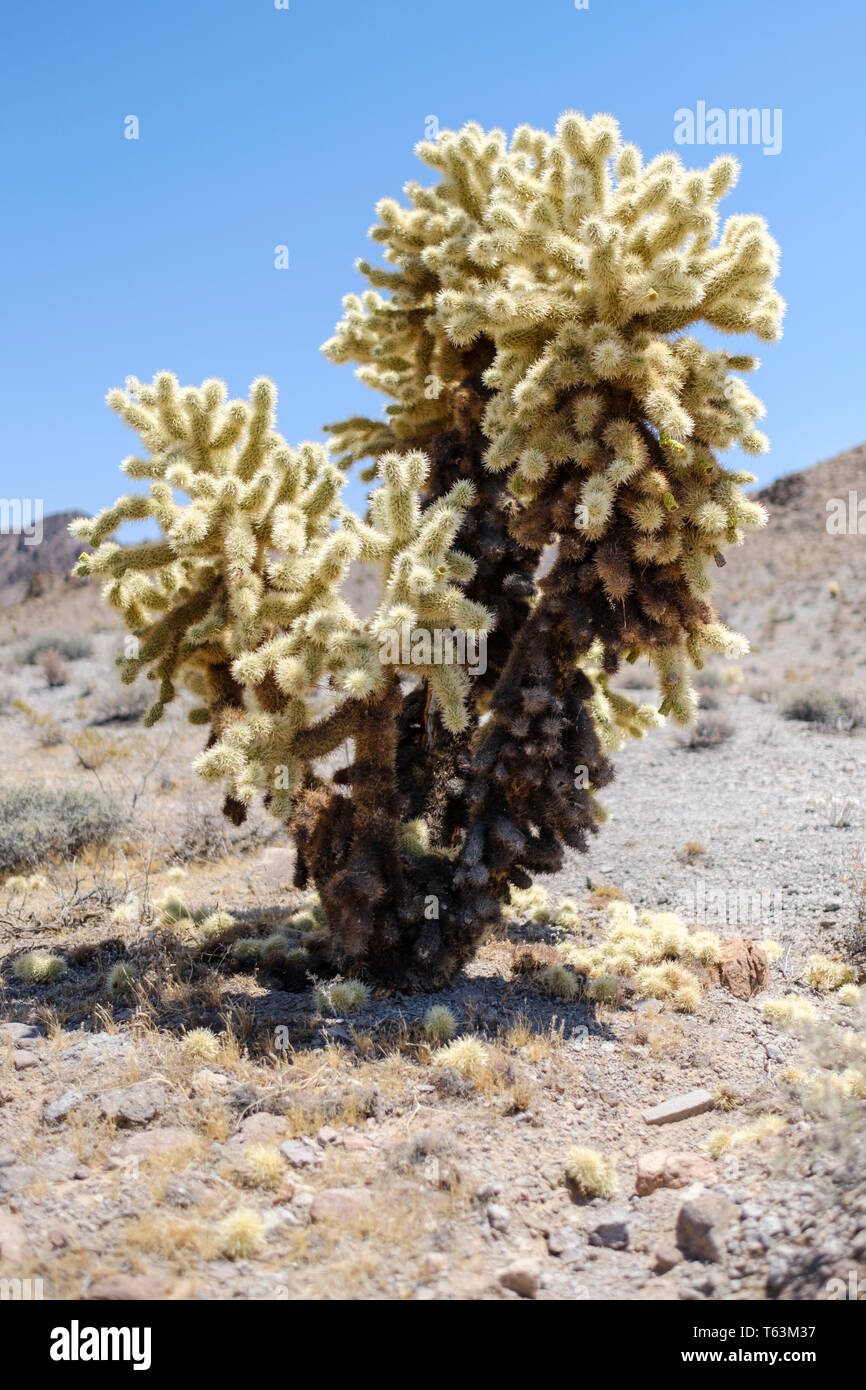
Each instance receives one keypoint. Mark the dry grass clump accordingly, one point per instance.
(261, 1165)
(121, 979)
(824, 974)
(466, 1055)
(691, 852)
(25, 883)
(772, 950)
(590, 1173)
(241, 1234)
(721, 1140)
(200, 1045)
(38, 968)
(341, 996)
(726, 1097)
(788, 1012)
(849, 995)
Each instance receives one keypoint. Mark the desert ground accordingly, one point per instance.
(175, 1122)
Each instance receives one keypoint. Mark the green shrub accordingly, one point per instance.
(39, 820)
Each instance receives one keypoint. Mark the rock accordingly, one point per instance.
(17, 1176)
(133, 1105)
(20, 1034)
(327, 1135)
(565, 1244)
(96, 1048)
(666, 1257)
(276, 1220)
(60, 1166)
(522, 1277)
(261, 1128)
(22, 1059)
(58, 1109)
(671, 1168)
(13, 1238)
(117, 1288)
(339, 1203)
(680, 1107)
(204, 1080)
(356, 1143)
(743, 967)
(498, 1217)
(7, 1157)
(149, 1143)
(301, 1154)
(702, 1225)
(611, 1231)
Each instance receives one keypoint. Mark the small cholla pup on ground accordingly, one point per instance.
(532, 332)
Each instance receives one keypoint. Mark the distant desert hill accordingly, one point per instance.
(21, 560)
(796, 590)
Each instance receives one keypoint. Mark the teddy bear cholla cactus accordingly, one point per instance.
(544, 391)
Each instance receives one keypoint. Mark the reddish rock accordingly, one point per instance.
(523, 1277)
(671, 1168)
(665, 1258)
(743, 967)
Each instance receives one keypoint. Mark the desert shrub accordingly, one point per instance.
(53, 667)
(48, 733)
(69, 645)
(39, 820)
(710, 730)
(814, 704)
(10, 691)
(547, 289)
(119, 705)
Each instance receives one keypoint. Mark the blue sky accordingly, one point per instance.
(262, 126)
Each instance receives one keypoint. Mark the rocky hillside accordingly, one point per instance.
(798, 590)
(24, 564)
